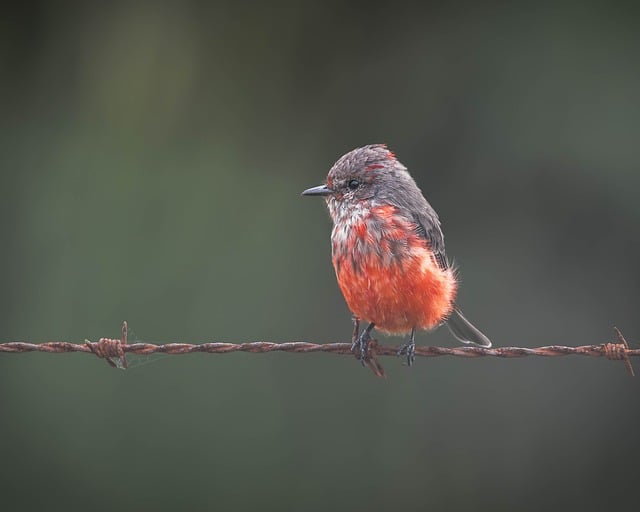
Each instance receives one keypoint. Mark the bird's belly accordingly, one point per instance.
(407, 292)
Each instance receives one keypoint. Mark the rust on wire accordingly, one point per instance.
(114, 350)
(620, 351)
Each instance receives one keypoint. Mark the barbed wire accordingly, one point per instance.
(114, 350)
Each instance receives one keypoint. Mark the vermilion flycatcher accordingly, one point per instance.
(388, 251)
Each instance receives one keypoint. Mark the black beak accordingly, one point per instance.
(321, 190)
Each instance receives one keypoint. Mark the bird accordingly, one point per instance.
(388, 252)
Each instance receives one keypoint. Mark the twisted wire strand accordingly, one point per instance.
(115, 350)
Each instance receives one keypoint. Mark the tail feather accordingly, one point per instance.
(465, 331)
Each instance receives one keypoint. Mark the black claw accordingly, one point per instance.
(361, 342)
(409, 348)
(411, 354)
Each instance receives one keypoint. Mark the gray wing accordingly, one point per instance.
(401, 191)
(434, 237)
(407, 196)
(457, 323)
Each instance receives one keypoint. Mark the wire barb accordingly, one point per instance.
(113, 350)
(619, 351)
(371, 358)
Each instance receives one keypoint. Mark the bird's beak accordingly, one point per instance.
(321, 190)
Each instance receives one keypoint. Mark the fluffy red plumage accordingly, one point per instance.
(397, 293)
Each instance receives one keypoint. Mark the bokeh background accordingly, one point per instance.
(152, 156)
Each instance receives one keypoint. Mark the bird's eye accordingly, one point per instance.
(353, 184)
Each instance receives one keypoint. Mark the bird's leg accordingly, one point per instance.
(356, 332)
(409, 348)
(362, 341)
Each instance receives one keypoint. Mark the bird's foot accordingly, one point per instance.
(409, 349)
(360, 343)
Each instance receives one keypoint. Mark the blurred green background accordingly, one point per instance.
(152, 157)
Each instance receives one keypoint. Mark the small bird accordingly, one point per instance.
(388, 251)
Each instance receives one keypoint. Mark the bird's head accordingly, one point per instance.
(360, 177)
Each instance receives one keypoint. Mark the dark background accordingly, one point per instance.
(152, 155)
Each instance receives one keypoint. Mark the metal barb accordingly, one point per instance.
(110, 349)
(371, 359)
(623, 351)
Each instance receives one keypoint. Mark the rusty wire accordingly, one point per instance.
(114, 350)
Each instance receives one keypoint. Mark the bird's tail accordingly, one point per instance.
(465, 331)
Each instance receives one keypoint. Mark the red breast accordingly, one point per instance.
(388, 274)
